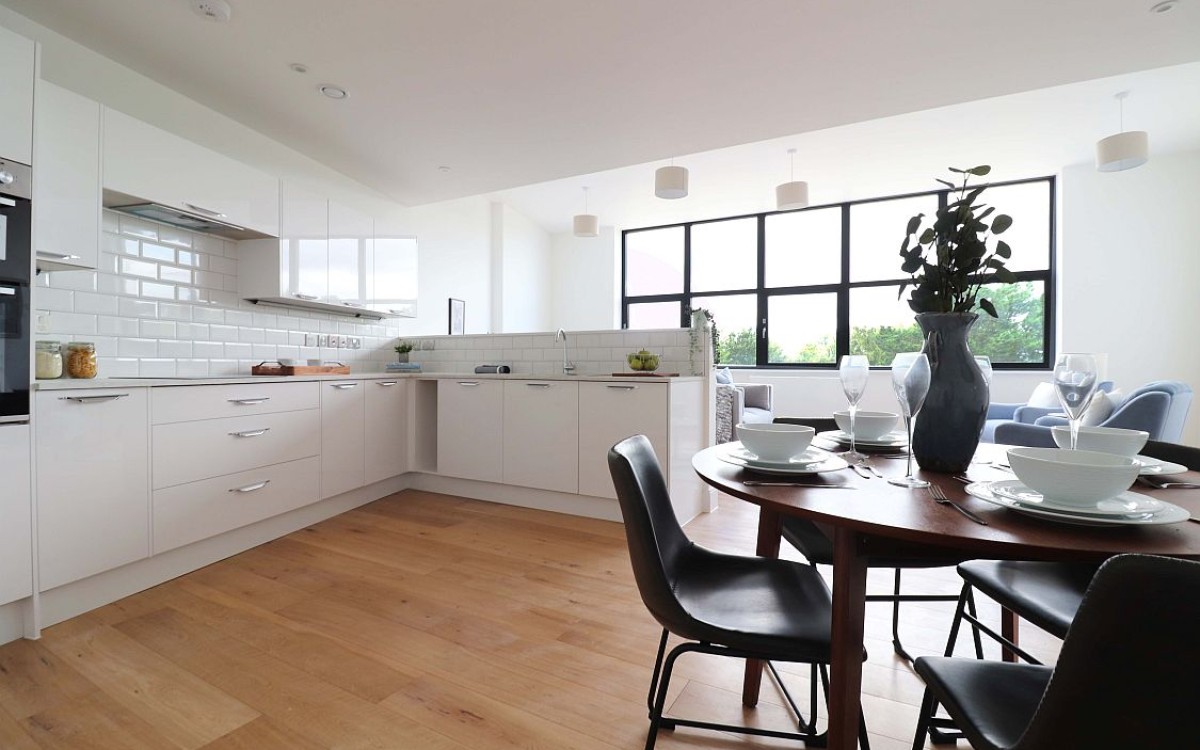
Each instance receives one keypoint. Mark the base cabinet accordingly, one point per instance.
(386, 429)
(16, 534)
(541, 434)
(343, 434)
(470, 429)
(611, 412)
(93, 506)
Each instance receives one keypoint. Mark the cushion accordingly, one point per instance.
(1098, 411)
(724, 376)
(1044, 397)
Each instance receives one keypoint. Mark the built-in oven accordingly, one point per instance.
(16, 221)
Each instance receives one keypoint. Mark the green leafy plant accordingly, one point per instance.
(403, 347)
(949, 262)
(716, 336)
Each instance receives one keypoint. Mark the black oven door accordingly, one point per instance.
(14, 352)
(16, 222)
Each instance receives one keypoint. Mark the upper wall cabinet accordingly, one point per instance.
(66, 187)
(144, 163)
(392, 282)
(17, 56)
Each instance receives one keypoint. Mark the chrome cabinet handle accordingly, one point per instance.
(468, 383)
(203, 210)
(8, 291)
(622, 387)
(385, 382)
(309, 297)
(93, 399)
(248, 401)
(537, 385)
(252, 487)
(353, 304)
(57, 256)
(251, 433)
(344, 386)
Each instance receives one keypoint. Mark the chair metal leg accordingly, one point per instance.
(658, 660)
(928, 706)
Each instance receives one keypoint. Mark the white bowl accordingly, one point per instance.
(775, 442)
(868, 425)
(1113, 440)
(1081, 478)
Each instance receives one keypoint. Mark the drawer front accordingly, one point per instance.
(184, 403)
(609, 413)
(198, 510)
(189, 451)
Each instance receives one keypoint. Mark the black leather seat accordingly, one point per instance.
(745, 607)
(1126, 676)
(817, 548)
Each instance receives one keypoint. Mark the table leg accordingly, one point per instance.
(1010, 629)
(845, 668)
(769, 526)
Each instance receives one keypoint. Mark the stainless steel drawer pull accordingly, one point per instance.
(251, 433)
(252, 487)
(309, 297)
(94, 399)
(622, 387)
(538, 385)
(57, 256)
(344, 386)
(468, 383)
(203, 210)
(353, 304)
(249, 401)
(385, 382)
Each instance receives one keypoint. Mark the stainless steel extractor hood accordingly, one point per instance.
(194, 221)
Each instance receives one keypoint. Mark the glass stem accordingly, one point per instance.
(1074, 433)
(908, 429)
(853, 446)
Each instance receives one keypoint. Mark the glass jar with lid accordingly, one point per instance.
(48, 361)
(81, 359)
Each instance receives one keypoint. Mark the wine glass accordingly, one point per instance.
(1075, 383)
(910, 380)
(854, 371)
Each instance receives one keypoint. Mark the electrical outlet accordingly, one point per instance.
(310, 339)
(323, 340)
(42, 323)
(355, 342)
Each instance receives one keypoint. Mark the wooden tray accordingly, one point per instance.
(645, 374)
(276, 369)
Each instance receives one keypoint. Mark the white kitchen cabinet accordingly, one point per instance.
(471, 429)
(541, 434)
(144, 162)
(93, 502)
(351, 233)
(17, 55)
(343, 436)
(16, 535)
(611, 412)
(295, 268)
(392, 283)
(386, 429)
(66, 187)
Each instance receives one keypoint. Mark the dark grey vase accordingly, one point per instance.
(947, 429)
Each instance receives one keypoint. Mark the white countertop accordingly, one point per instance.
(67, 384)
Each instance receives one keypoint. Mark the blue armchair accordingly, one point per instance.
(1001, 413)
(1159, 407)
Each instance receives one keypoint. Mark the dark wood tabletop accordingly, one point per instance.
(878, 518)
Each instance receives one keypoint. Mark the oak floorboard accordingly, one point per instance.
(13, 735)
(33, 679)
(262, 734)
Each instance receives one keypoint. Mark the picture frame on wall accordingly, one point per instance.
(458, 316)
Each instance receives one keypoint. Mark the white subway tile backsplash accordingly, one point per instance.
(171, 311)
(117, 367)
(90, 302)
(155, 290)
(83, 281)
(157, 368)
(221, 264)
(191, 368)
(252, 335)
(175, 275)
(137, 348)
(76, 324)
(131, 267)
(61, 300)
(176, 349)
(223, 333)
(273, 336)
(158, 329)
(174, 236)
(239, 318)
(111, 326)
(158, 252)
(195, 331)
(239, 351)
(208, 349)
(265, 352)
(138, 228)
(187, 294)
(110, 222)
(208, 315)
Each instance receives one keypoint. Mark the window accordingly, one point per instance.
(801, 288)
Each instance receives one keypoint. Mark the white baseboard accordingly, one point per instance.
(605, 509)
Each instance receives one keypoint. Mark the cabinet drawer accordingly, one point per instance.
(188, 451)
(188, 402)
(197, 510)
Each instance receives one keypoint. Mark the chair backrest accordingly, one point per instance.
(657, 543)
(820, 424)
(1129, 671)
(1159, 407)
(1187, 455)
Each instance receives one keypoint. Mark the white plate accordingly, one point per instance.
(1169, 514)
(890, 440)
(832, 463)
(1120, 505)
(1155, 466)
(807, 458)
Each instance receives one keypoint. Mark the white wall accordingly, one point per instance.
(524, 274)
(1129, 272)
(586, 281)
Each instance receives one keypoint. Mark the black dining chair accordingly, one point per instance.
(1126, 676)
(1045, 593)
(817, 548)
(729, 605)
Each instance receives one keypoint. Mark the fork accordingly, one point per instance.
(1162, 484)
(940, 498)
(874, 472)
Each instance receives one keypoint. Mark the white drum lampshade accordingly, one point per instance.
(790, 195)
(1123, 151)
(671, 182)
(587, 225)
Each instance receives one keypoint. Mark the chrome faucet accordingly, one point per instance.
(568, 366)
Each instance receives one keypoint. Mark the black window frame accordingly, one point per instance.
(842, 288)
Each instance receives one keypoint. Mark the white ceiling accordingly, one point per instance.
(519, 92)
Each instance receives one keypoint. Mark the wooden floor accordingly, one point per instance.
(418, 621)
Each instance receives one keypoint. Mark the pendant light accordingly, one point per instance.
(1126, 149)
(671, 182)
(586, 225)
(793, 193)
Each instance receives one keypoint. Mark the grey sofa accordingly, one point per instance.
(742, 402)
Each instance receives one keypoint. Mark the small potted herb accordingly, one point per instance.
(402, 349)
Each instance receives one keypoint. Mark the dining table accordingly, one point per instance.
(865, 516)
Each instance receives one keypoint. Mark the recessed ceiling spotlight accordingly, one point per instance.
(298, 68)
(443, 169)
(217, 11)
(1166, 6)
(333, 92)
